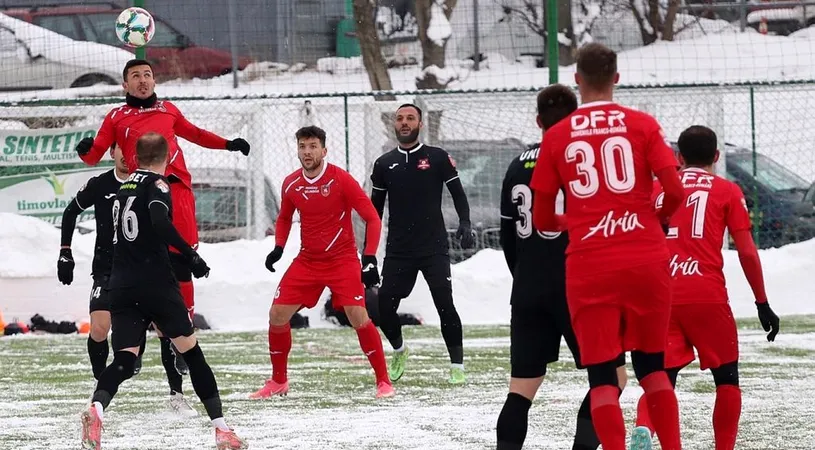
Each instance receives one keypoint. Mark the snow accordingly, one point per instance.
(237, 294)
(439, 29)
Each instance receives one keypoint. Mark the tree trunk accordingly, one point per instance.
(670, 20)
(647, 37)
(369, 44)
(432, 54)
(566, 26)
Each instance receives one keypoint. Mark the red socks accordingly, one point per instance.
(608, 417)
(371, 345)
(663, 409)
(188, 295)
(279, 347)
(643, 418)
(726, 414)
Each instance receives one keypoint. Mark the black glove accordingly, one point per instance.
(273, 257)
(198, 266)
(769, 321)
(238, 145)
(370, 274)
(65, 266)
(84, 146)
(466, 235)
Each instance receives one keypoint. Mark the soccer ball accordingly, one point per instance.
(135, 27)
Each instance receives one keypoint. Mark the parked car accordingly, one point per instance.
(33, 58)
(775, 197)
(172, 54)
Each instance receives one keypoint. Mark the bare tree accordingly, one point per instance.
(369, 44)
(433, 40)
(656, 19)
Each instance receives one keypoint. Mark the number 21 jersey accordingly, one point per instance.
(604, 155)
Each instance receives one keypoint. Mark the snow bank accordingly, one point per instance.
(239, 290)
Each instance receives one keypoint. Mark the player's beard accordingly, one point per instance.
(407, 138)
(311, 165)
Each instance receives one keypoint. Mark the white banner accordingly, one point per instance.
(43, 147)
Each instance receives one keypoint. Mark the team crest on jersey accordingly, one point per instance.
(325, 190)
(162, 186)
(452, 161)
(424, 164)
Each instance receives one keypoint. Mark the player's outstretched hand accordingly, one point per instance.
(370, 273)
(238, 145)
(84, 146)
(466, 235)
(769, 320)
(273, 257)
(65, 266)
(198, 266)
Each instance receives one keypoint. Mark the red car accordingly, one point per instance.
(172, 54)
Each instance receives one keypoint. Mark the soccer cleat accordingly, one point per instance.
(640, 439)
(397, 366)
(179, 404)
(457, 376)
(228, 440)
(269, 389)
(91, 430)
(180, 364)
(384, 390)
(137, 366)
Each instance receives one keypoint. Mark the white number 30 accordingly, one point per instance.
(619, 176)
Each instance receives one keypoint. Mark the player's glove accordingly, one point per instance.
(238, 145)
(466, 235)
(769, 320)
(370, 273)
(65, 266)
(84, 146)
(198, 266)
(273, 257)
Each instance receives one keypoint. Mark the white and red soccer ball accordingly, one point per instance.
(135, 27)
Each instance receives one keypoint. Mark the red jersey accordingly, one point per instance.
(696, 235)
(605, 156)
(126, 124)
(325, 203)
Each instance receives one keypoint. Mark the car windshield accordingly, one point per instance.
(771, 174)
(220, 207)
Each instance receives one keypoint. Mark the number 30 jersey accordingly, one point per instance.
(604, 156)
(540, 256)
(696, 235)
(139, 253)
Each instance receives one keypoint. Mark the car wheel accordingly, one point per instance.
(92, 79)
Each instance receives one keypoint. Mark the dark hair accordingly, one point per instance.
(555, 102)
(698, 145)
(411, 105)
(311, 132)
(133, 63)
(151, 149)
(597, 64)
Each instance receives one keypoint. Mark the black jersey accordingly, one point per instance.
(413, 180)
(99, 192)
(139, 254)
(540, 256)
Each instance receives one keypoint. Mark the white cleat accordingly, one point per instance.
(179, 404)
(640, 439)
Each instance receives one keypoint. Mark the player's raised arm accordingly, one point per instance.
(83, 200)
(185, 129)
(91, 150)
(379, 192)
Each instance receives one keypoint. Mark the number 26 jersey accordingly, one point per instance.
(604, 155)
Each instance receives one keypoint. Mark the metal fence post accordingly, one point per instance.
(476, 37)
(233, 40)
(742, 15)
(551, 40)
(347, 139)
(756, 210)
(140, 51)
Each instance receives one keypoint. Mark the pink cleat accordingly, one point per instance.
(384, 389)
(91, 430)
(228, 440)
(269, 389)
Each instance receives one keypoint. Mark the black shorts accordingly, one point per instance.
(100, 296)
(133, 308)
(399, 275)
(535, 333)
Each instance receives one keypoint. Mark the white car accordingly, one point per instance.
(33, 58)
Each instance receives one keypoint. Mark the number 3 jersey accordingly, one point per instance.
(696, 235)
(139, 253)
(539, 256)
(604, 156)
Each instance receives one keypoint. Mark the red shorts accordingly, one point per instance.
(620, 310)
(709, 328)
(184, 214)
(305, 280)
